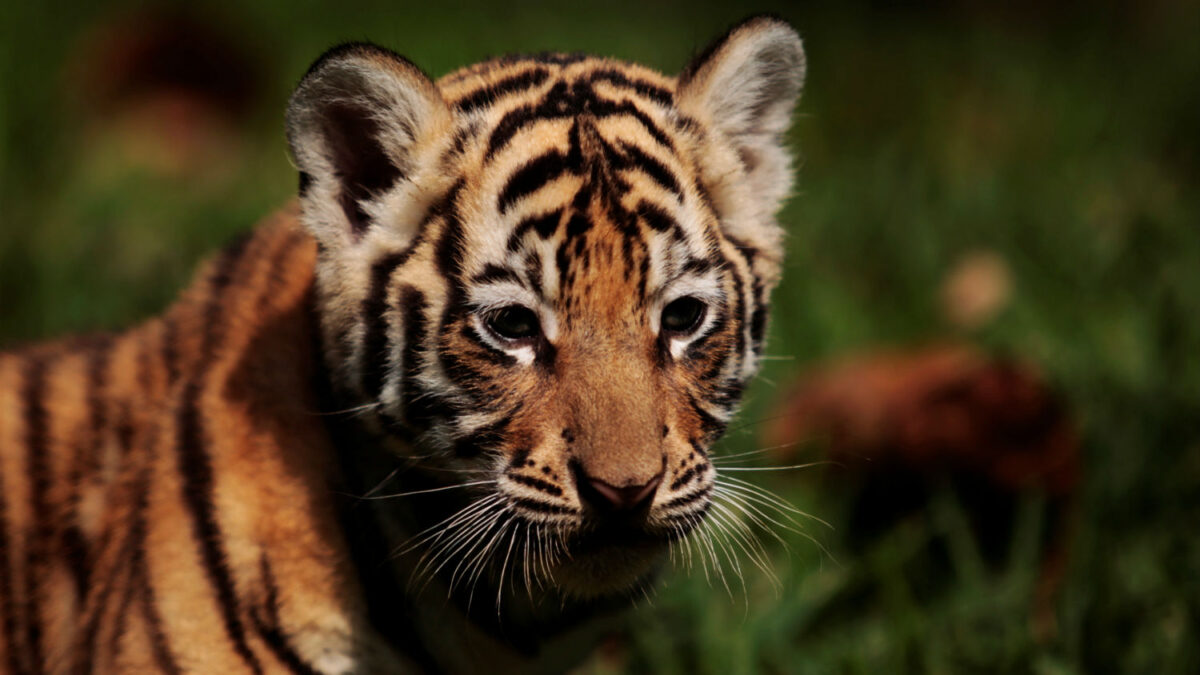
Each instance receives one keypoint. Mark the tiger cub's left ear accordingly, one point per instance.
(745, 86)
(356, 126)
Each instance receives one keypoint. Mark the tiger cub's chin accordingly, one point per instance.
(610, 570)
(611, 558)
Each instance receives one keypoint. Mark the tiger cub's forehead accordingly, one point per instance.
(578, 177)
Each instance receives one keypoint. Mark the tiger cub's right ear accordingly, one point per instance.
(356, 126)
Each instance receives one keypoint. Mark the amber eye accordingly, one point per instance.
(682, 315)
(513, 322)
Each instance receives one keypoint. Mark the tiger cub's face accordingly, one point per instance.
(550, 274)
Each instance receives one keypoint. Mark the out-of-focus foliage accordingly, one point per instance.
(1062, 144)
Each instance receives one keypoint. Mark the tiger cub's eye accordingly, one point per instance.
(682, 315)
(513, 322)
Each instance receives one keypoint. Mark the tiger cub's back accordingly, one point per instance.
(140, 470)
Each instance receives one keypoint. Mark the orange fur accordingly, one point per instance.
(181, 497)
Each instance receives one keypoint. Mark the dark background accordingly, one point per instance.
(1057, 143)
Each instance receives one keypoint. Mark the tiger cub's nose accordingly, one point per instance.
(609, 498)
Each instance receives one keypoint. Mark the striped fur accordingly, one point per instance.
(532, 292)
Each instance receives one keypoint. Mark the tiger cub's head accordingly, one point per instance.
(551, 274)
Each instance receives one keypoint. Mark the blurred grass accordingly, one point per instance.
(1064, 139)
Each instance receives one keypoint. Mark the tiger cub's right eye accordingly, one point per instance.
(682, 315)
(513, 322)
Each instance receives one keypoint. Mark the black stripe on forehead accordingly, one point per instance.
(487, 95)
(493, 273)
(545, 58)
(544, 224)
(568, 100)
(531, 176)
(659, 95)
(659, 220)
(635, 157)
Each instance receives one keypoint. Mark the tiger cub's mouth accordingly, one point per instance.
(613, 539)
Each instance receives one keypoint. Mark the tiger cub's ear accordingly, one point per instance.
(357, 124)
(745, 86)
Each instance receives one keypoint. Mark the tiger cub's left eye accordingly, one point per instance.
(514, 322)
(682, 315)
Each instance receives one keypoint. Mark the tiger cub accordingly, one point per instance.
(447, 412)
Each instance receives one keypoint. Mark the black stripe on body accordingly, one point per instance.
(159, 647)
(132, 585)
(85, 658)
(195, 465)
(270, 628)
(486, 96)
(128, 557)
(12, 641)
(73, 543)
(36, 429)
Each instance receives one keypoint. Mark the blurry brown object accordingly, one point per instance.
(977, 288)
(900, 423)
(166, 87)
(939, 409)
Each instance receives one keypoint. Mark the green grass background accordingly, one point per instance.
(1064, 139)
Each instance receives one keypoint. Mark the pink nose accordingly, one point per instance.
(607, 497)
